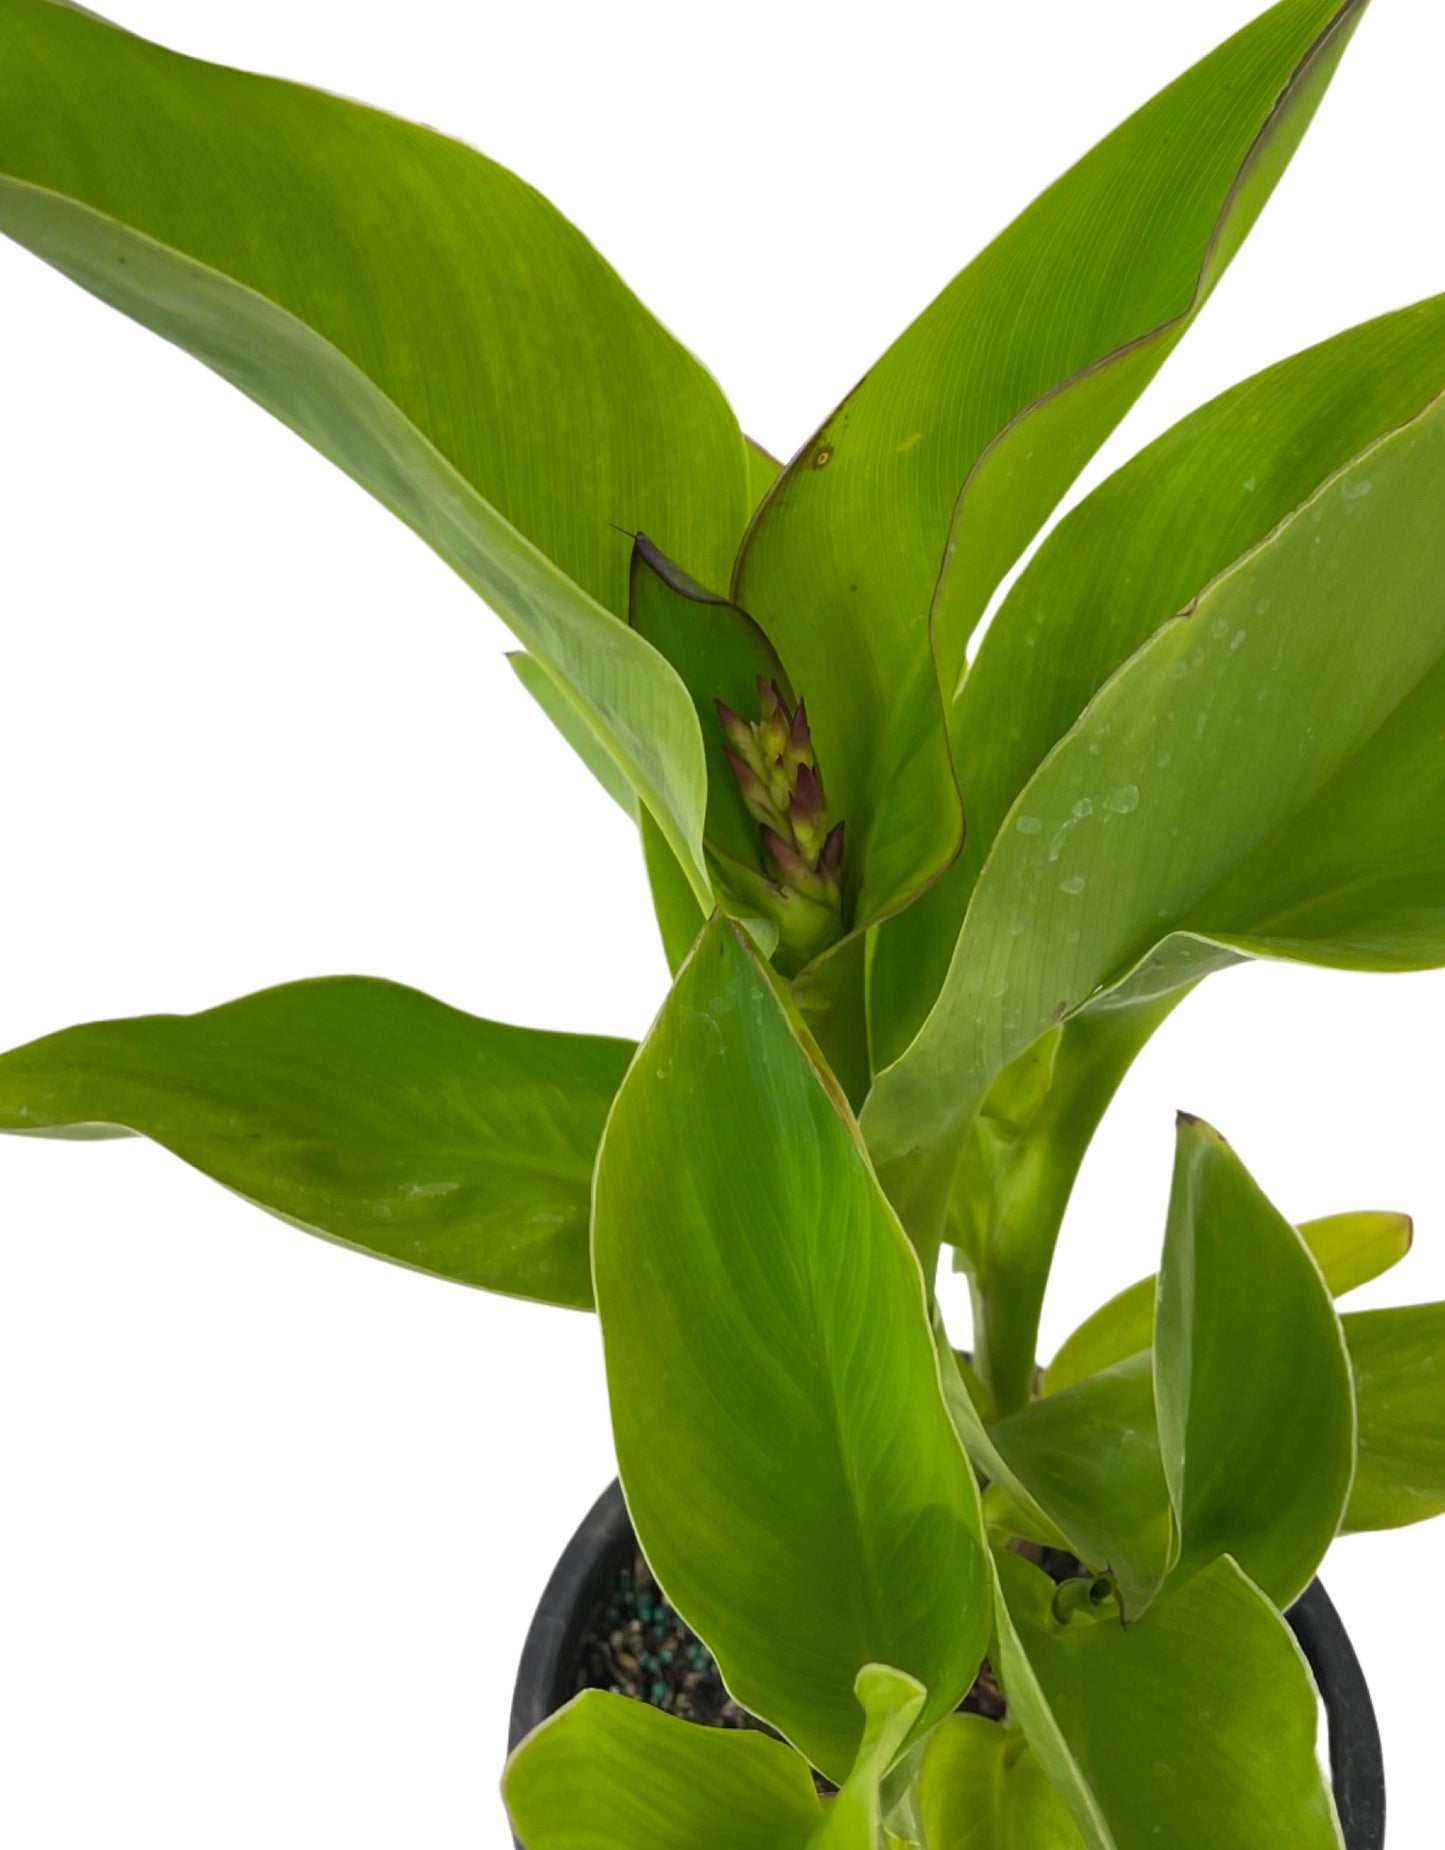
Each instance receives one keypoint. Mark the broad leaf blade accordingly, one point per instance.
(362, 1111)
(606, 1768)
(980, 1788)
(420, 315)
(829, 1517)
(1264, 776)
(1001, 389)
(1398, 1358)
(1119, 257)
(1121, 565)
(1195, 1728)
(1252, 1379)
(1350, 1250)
(607, 1772)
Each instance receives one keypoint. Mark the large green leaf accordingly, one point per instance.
(783, 1442)
(961, 438)
(607, 1773)
(1194, 1728)
(1251, 1377)
(359, 1110)
(1265, 775)
(980, 1788)
(1350, 1249)
(417, 313)
(1399, 1362)
(1125, 561)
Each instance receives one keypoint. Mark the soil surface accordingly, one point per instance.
(636, 1645)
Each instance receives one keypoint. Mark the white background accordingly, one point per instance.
(275, 1516)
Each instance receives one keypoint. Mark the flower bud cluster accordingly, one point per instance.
(772, 760)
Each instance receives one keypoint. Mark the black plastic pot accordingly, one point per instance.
(604, 1544)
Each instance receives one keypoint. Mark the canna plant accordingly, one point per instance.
(923, 906)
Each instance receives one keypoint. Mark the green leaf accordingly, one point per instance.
(610, 1773)
(1119, 566)
(607, 1773)
(418, 314)
(361, 1111)
(1251, 1376)
(962, 437)
(1089, 1457)
(1399, 1362)
(980, 1788)
(1350, 1249)
(1263, 776)
(1194, 1728)
(788, 1460)
(1114, 262)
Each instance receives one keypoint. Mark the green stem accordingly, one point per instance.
(830, 995)
(1017, 1175)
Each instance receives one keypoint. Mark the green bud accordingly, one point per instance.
(773, 763)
